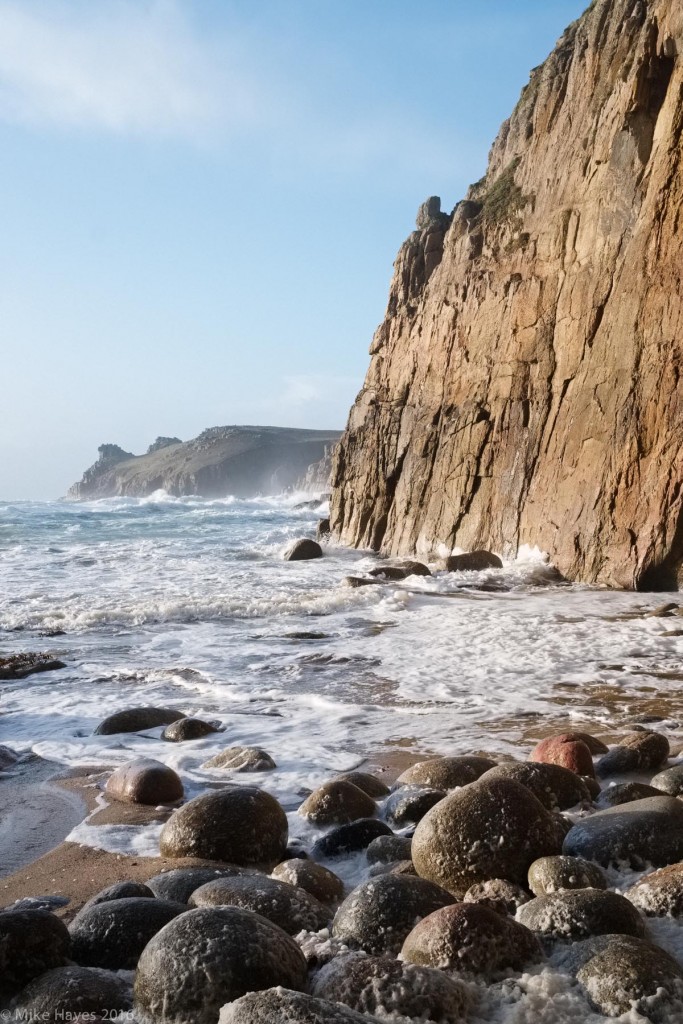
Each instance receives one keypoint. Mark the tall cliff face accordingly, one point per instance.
(526, 385)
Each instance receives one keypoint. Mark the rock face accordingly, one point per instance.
(243, 461)
(524, 387)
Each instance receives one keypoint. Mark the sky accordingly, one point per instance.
(201, 202)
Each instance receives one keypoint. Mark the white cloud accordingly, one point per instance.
(116, 65)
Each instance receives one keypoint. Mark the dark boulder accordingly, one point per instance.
(303, 550)
(446, 772)
(31, 942)
(642, 832)
(625, 793)
(119, 891)
(349, 838)
(145, 781)
(279, 1006)
(313, 878)
(239, 825)
(374, 984)
(638, 751)
(409, 804)
(322, 530)
(473, 938)
(179, 884)
(184, 729)
(669, 781)
(136, 720)
(292, 909)
(64, 993)
(388, 849)
(209, 957)
(472, 561)
(113, 934)
(370, 784)
(379, 913)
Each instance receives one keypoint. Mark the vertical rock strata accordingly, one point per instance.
(525, 386)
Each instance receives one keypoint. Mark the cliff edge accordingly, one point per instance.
(241, 461)
(525, 386)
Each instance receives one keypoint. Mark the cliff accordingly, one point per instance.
(242, 461)
(525, 386)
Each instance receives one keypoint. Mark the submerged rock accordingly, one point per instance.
(18, 666)
(471, 561)
(137, 720)
(401, 571)
(378, 914)
(184, 729)
(240, 825)
(197, 964)
(489, 829)
(373, 984)
(348, 838)
(473, 938)
(242, 759)
(409, 804)
(302, 550)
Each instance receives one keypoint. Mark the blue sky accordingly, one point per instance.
(201, 201)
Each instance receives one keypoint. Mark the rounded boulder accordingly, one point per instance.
(303, 550)
(242, 759)
(337, 803)
(197, 964)
(292, 909)
(137, 720)
(555, 787)
(548, 875)
(178, 884)
(281, 1007)
(473, 938)
(65, 992)
(490, 829)
(184, 729)
(31, 942)
(446, 772)
(379, 913)
(567, 752)
(113, 934)
(575, 914)
(144, 781)
(379, 985)
(239, 825)
(313, 878)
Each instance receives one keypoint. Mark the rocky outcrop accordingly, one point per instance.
(526, 385)
(242, 461)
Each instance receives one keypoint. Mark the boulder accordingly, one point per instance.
(337, 803)
(370, 784)
(379, 913)
(489, 829)
(498, 894)
(557, 788)
(119, 891)
(242, 759)
(565, 751)
(292, 909)
(322, 530)
(313, 878)
(638, 751)
(145, 781)
(400, 572)
(239, 825)
(595, 745)
(669, 781)
(625, 793)
(445, 772)
(394, 867)
(387, 849)
(65, 992)
(18, 666)
(409, 804)
(471, 561)
(188, 729)
(349, 838)
(179, 884)
(379, 985)
(197, 964)
(113, 934)
(278, 1006)
(8, 759)
(303, 550)
(622, 974)
(575, 914)
(473, 938)
(642, 832)
(553, 874)
(660, 893)
(31, 943)
(137, 720)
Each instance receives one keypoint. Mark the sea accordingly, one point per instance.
(188, 604)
